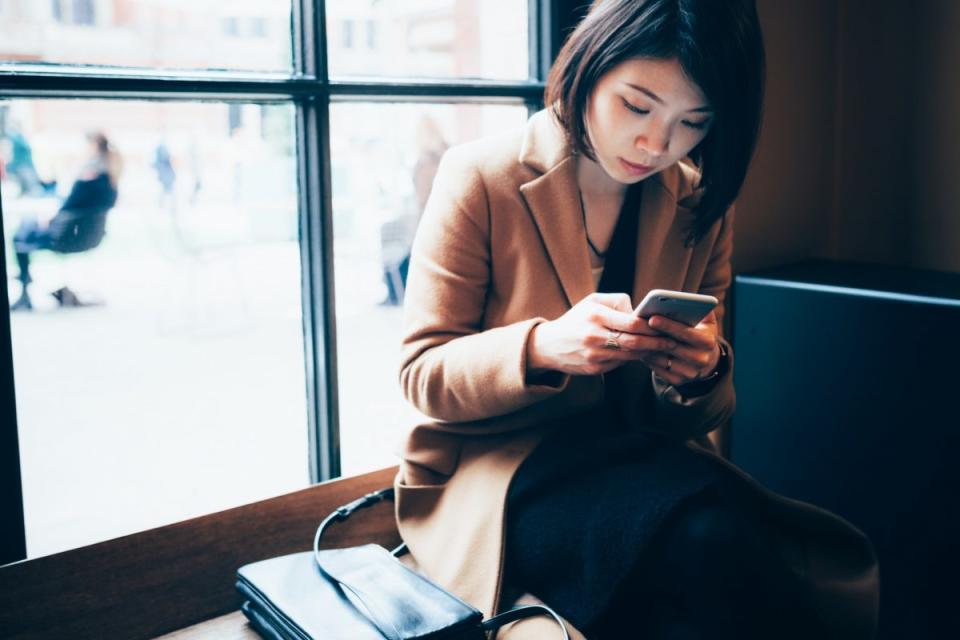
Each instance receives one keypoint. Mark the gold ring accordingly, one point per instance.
(611, 342)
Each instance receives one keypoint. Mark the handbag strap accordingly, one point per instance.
(382, 622)
(342, 513)
(526, 611)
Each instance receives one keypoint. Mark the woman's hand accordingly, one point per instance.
(576, 342)
(695, 355)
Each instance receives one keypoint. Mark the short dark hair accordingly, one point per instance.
(718, 44)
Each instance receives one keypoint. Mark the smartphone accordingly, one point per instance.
(688, 308)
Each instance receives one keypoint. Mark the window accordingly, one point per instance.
(231, 26)
(432, 38)
(371, 34)
(258, 27)
(83, 12)
(230, 331)
(384, 159)
(150, 34)
(187, 351)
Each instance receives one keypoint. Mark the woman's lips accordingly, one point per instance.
(635, 169)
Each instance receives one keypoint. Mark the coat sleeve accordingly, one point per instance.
(451, 369)
(696, 416)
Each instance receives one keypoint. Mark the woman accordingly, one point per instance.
(567, 456)
(79, 225)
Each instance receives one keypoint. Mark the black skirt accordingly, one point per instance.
(583, 507)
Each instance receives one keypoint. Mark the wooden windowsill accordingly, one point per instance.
(179, 579)
(232, 626)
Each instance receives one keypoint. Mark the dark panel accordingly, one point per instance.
(12, 541)
(846, 378)
(150, 583)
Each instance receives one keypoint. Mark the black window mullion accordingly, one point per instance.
(13, 544)
(319, 317)
(316, 246)
(425, 90)
(301, 13)
(542, 15)
(541, 38)
(29, 82)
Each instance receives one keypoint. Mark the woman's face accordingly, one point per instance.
(643, 116)
(92, 148)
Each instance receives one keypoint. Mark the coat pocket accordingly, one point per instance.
(430, 456)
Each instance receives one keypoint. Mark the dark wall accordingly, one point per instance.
(935, 225)
(785, 210)
(876, 103)
(857, 158)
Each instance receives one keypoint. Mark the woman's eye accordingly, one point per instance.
(699, 126)
(638, 110)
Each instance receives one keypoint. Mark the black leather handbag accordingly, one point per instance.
(360, 593)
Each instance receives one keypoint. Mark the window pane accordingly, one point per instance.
(384, 158)
(252, 35)
(165, 379)
(429, 38)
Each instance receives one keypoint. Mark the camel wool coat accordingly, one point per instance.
(501, 247)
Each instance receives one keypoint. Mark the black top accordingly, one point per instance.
(93, 195)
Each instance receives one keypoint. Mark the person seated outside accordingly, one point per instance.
(80, 222)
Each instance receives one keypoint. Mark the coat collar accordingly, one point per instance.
(554, 203)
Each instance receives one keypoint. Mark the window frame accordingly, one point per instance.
(311, 90)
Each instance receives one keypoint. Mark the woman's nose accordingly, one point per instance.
(654, 142)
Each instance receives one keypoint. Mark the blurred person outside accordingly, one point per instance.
(20, 166)
(166, 175)
(396, 235)
(79, 225)
(193, 159)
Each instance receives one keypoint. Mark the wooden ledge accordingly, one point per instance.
(147, 584)
(232, 626)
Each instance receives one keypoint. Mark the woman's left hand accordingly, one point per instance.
(696, 354)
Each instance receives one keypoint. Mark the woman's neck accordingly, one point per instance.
(594, 181)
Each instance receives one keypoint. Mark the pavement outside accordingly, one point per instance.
(183, 392)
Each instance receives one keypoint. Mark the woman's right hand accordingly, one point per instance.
(575, 343)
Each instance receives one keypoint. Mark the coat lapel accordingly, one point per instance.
(554, 203)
